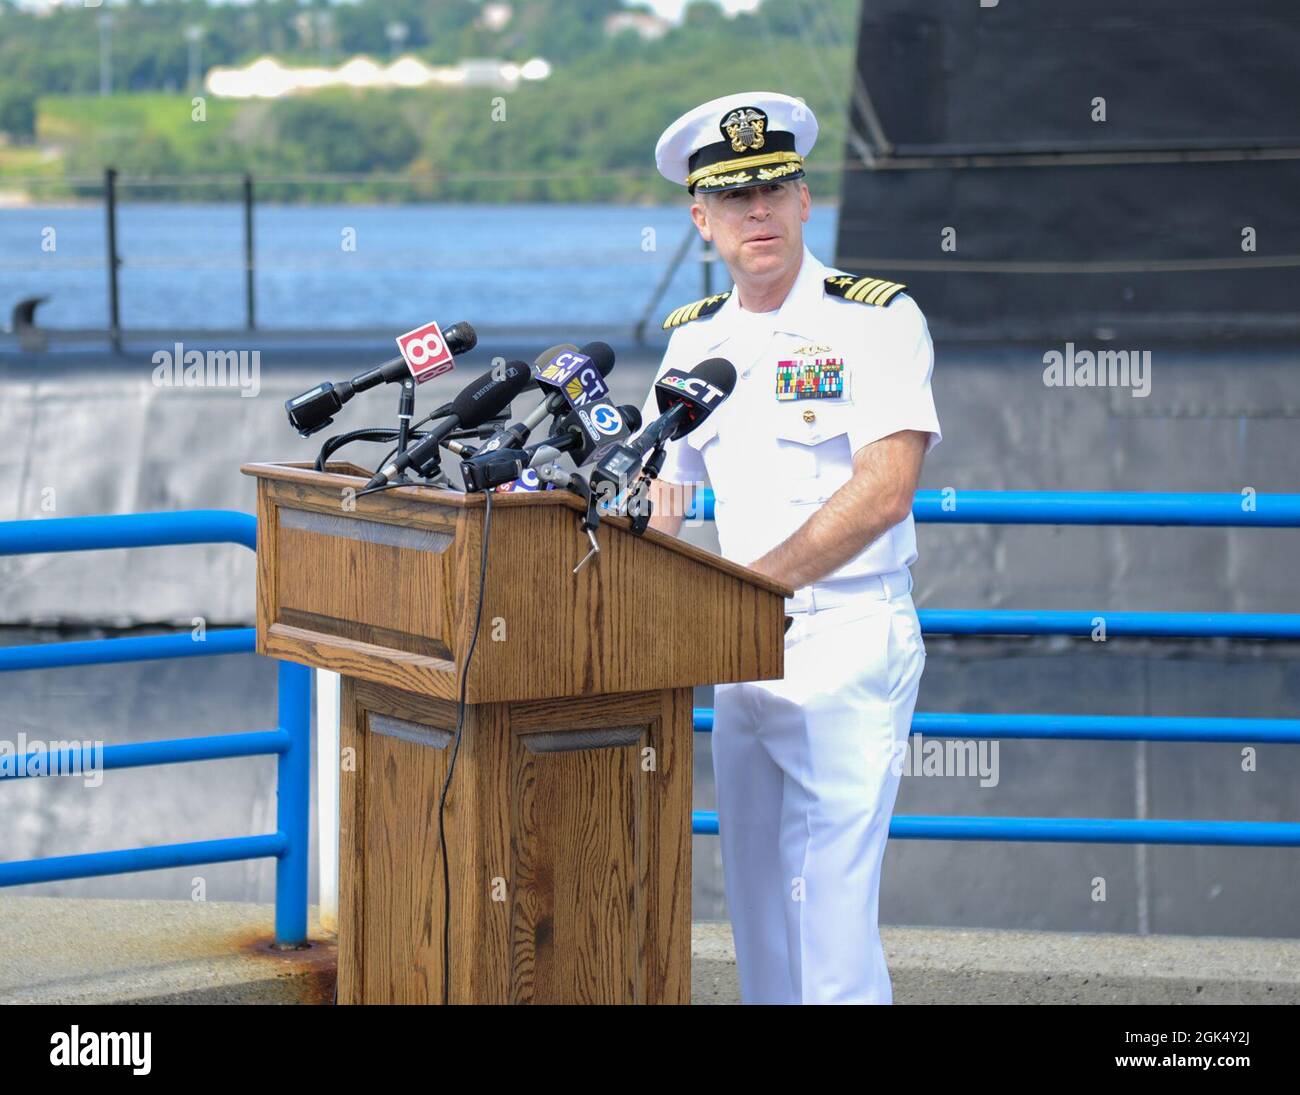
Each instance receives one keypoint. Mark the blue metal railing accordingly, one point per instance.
(1035, 507)
(1245, 510)
(289, 742)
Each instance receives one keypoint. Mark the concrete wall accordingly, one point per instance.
(107, 441)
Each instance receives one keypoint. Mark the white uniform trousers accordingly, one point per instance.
(807, 770)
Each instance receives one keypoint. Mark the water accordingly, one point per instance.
(337, 267)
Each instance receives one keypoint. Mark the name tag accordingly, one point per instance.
(823, 378)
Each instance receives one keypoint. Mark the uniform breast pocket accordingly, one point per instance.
(699, 438)
(812, 440)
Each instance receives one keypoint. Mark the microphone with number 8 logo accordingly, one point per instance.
(426, 351)
(315, 408)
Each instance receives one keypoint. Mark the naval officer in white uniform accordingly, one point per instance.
(813, 460)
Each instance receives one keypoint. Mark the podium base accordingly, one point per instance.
(568, 833)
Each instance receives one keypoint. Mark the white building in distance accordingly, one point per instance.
(266, 78)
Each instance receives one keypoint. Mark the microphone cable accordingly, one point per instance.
(455, 749)
(368, 433)
(389, 433)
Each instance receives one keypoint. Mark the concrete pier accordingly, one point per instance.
(94, 951)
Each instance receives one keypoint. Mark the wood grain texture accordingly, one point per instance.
(571, 869)
(408, 501)
(384, 665)
(267, 554)
(568, 822)
(636, 618)
(400, 608)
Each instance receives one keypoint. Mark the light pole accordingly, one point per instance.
(324, 34)
(106, 54)
(194, 36)
(397, 32)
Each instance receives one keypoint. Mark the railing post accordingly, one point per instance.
(249, 295)
(664, 281)
(293, 802)
(110, 213)
(328, 698)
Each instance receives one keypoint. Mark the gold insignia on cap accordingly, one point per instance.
(767, 174)
(745, 128)
(709, 175)
(710, 181)
(731, 137)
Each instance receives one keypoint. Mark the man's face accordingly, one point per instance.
(756, 229)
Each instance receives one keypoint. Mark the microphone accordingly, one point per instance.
(560, 369)
(580, 376)
(315, 408)
(514, 435)
(580, 433)
(496, 432)
(586, 433)
(482, 399)
(685, 400)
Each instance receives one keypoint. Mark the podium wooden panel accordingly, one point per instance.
(568, 821)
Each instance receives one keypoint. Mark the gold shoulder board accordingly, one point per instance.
(862, 289)
(695, 310)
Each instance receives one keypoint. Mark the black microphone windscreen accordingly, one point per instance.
(717, 371)
(550, 354)
(460, 337)
(491, 393)
(601, 354)
(631, 416)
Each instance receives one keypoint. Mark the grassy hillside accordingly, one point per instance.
(586, 133)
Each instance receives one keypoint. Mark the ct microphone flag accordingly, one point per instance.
(578, 376)
(692, 396)
(557, 401)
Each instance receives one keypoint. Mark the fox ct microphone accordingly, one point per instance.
(580, 433)
(572, 377)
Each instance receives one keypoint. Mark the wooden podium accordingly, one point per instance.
(568, 820)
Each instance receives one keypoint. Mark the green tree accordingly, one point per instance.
(343, 133)
(17, 112)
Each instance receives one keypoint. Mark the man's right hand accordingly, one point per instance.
(669, 503)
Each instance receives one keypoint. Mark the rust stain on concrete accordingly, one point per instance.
(315, 966)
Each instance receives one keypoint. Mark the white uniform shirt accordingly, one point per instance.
(773, 462)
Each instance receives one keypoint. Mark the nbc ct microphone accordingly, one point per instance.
(482, 399)
(685, 400)
(314, 409)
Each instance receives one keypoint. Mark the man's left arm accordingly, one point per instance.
(874, 500)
